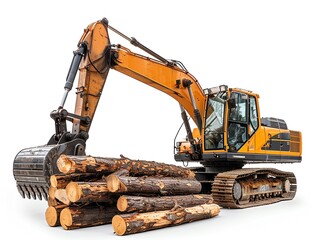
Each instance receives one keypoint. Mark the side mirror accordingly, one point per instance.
(231, 103)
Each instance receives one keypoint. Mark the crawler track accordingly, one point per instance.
(226, 195)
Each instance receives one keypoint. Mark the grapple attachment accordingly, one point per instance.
(32, 167)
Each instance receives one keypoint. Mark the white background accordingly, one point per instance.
(270, 47)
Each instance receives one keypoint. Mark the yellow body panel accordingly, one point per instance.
(265, 141)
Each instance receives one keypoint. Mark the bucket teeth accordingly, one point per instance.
(26, 192)
(33, 191)
(20, 190)
(37, 192)
(44, 192)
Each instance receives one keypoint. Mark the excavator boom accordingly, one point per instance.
(171, 80)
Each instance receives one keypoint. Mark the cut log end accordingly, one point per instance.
(73, 191)
(60, 194)
(64, 164)
(66, 218)
(53, 181)
(52, 215)
(122, 204)
(52, 191)
(119, 225)
(113, 183)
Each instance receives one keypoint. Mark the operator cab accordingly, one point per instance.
(230, 121)
(231, 118)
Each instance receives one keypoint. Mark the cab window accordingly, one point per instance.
(253, 115)
(214, 122)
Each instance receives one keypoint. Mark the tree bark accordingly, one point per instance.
(141, 222)
(153, 185)
(52, 202)
(120, 172)
(87, 164)
(89, 192)
(86, 216)
(128, 204)
(52, 215)
(61, 181)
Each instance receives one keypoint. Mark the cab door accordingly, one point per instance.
(253, 123)
(242, 122)
(238, 120)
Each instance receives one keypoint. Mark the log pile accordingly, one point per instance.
(134, 195)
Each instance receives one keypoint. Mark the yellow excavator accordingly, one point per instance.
(229, 131)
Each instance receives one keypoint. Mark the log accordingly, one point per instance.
(52, 215)
(52, 192)
(121, 172)
(52, 202)
(89, 192)
(60, 194)
(128, 204)
(87, 164)
(92, 191)
(61, 181)
(141, 222)
(153, 185)
(86, 216)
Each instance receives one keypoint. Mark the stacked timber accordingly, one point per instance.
(134, 195)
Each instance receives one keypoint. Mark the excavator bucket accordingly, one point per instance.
(32, 167)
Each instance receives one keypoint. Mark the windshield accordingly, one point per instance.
(214, 124)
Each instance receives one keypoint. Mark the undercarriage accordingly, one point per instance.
(250, 187)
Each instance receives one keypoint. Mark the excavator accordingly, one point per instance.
(229, 131)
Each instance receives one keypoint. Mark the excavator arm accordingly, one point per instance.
(93, 71)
